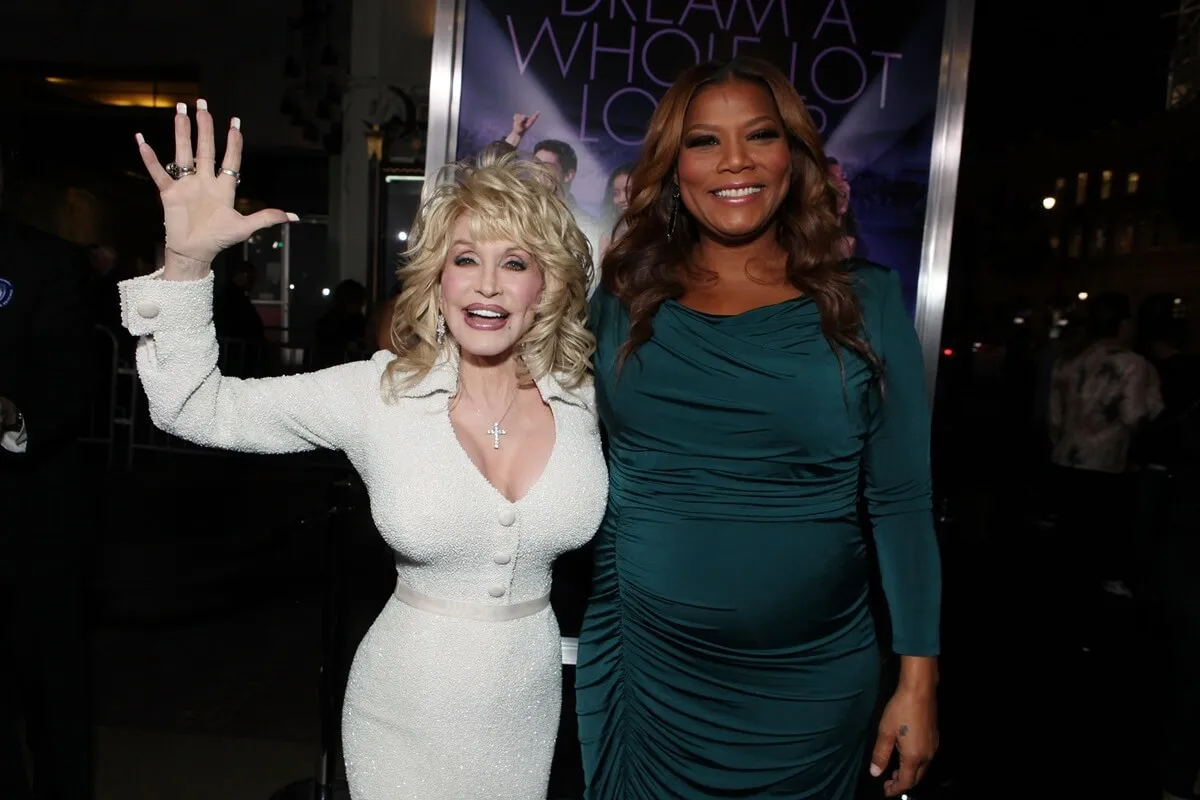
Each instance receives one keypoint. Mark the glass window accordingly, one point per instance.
(1125, 240)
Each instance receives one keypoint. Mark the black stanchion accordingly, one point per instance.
(570, 589)
(327, 783)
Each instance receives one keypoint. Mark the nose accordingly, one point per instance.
(489, 281)
(734, 156)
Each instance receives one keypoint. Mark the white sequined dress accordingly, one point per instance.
(455, 691)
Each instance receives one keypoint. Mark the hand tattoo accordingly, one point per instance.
(903, 730)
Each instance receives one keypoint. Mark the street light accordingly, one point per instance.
(1048, 203)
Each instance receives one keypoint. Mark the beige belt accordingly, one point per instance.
(464, 610)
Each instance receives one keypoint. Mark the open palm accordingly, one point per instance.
(198, 208)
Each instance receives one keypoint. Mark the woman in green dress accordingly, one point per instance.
(754, 389)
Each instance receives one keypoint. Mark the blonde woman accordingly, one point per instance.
(476, 438)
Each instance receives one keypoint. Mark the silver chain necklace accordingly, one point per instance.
(494, 430)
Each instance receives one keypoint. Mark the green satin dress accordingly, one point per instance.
(728, 649)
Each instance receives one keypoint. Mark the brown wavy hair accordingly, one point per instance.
(644, 267)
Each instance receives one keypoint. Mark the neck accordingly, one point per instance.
(489, 381)
(761, 256)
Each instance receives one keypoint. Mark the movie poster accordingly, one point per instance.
(593, 70)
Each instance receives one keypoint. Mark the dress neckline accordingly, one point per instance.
(782, 304)
(493, 488)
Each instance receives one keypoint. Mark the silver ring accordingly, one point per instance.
(237, 176)
(176, 172)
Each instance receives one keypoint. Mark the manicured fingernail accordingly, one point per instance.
(293, 217)
(236, 123)
(202, 105)
(140, 139)
(875, 771)
(181, 108)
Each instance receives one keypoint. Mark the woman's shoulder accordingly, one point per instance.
(604, 309)
(382, 359)
(880, 298)
(580, 392)
(872, 281)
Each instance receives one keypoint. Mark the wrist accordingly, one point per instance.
(178, 267)
(918, 675)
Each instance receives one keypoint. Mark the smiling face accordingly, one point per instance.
(735, 166)
(489, 293)
(620, 189)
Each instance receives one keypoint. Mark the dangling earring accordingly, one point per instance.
(441, 329)
(674, 211)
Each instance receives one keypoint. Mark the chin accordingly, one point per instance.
(490, 346)
(739, 230)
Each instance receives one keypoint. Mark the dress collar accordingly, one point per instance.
(442, 378)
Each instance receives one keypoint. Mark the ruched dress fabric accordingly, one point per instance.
(728, 648)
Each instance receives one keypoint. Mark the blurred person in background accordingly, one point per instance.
(44, 394)
(1102, 394)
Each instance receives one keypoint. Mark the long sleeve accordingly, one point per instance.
(188, 396)
(898, 477)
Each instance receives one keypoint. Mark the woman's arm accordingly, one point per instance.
(898, 477)
(900, 503)
(190, 398)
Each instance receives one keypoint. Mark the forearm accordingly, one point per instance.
(910, 569)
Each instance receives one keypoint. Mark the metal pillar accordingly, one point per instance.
(1183, 81)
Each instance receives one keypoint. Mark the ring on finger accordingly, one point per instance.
(237, 176)
(176, 172)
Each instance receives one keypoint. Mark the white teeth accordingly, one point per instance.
(486, 312)
(745, 191)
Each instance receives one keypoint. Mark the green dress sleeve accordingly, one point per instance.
(898, 476)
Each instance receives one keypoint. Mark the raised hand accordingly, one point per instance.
(197, 195)
(521, 125)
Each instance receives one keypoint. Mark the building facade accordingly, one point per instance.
(1050, 224)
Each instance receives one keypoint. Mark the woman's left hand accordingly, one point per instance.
(909, 725)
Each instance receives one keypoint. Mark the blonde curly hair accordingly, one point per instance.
(507, 198)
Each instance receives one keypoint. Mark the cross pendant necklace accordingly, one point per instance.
(494, 431)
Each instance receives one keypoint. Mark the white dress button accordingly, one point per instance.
(496, 591)
(502, 558)
(507, 517)
(147, 309)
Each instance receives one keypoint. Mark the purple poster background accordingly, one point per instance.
(868, 71)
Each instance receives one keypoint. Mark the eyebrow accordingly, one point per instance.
(516, 248)
(750, 124)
